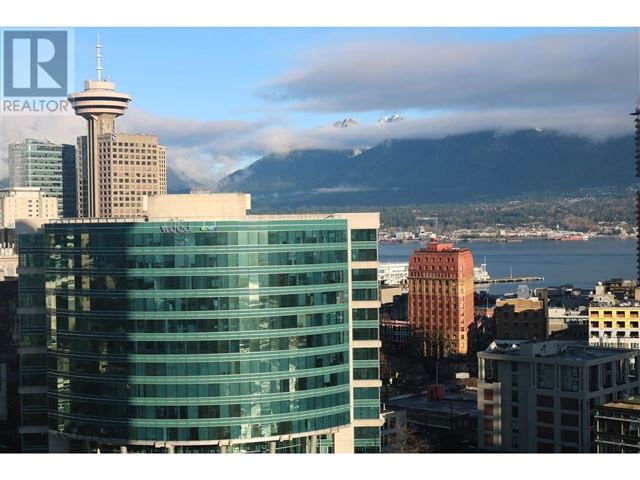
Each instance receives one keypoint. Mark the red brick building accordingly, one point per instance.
(441, 297)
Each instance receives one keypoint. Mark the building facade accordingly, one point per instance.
(130, 166)
(618, 426)
(520, 318)
(616, 326)
(26, 202)
(441, 298)
(69, 182)
(542, 396)
(39, 163)
(636, 114)
(207, 334)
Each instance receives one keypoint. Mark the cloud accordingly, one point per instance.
(582, 84)
(563, 70)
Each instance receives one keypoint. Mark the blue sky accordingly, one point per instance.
(213, 73)
(220, 98)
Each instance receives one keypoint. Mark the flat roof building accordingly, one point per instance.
(201, 328)
(39, 164)
(26, 202)
(618, 426)
(441, 298)
(541, 396)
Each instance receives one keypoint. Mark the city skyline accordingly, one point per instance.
(230, 96)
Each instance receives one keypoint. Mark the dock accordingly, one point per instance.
(510, 280)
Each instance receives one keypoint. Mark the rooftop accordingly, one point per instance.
(552, 349)
(457, 404)
(632, 403)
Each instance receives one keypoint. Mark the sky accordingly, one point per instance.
(220, 98)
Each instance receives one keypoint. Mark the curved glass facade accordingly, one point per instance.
(227, 330)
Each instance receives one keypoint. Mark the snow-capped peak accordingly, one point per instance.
(346, 123)
(390, 118)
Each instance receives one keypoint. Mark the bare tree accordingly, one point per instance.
(407, 439)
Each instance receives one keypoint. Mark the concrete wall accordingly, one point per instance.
(194, 206)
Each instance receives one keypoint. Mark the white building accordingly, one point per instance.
(541, 396)
(393, 273)
(25, 202)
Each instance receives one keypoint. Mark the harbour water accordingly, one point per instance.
(580, 263)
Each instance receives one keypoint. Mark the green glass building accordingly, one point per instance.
(48, 166)
(211, 334)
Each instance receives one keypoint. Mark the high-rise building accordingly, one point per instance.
(441, 298)
(541, 396)
(32, 339)
(636, 114)
(131, 166)
(26, 202)
(200, 328)
(69, 182)
(115, 170)
(39, 163)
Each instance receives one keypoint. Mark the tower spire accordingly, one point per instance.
(99, 58)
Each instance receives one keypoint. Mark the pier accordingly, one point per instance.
(510, 280)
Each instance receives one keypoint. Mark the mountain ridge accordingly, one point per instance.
(477, 166)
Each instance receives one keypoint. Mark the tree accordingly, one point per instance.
(407, 439)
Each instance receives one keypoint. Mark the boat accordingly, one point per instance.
(574, 238)
(480, 274)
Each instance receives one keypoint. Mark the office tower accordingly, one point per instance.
(115, 170)
(541, 396)
(38, 163)
(618, 426)
(200, 328)
(636, 114)
(441, 298)
(26, 202)
(69, 182)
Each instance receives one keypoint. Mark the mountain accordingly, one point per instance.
(177, 183)
(390, 118)
(459, 168)
(346, 123)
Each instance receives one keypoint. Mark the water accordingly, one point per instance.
(581, 264)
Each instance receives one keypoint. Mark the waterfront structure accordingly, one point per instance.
(441, 298)
(520, 318)
(114, 170)
(541, 396)
(618, 426)
(39, 163)
(200, 328)
(26, 202)
(616, 326)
